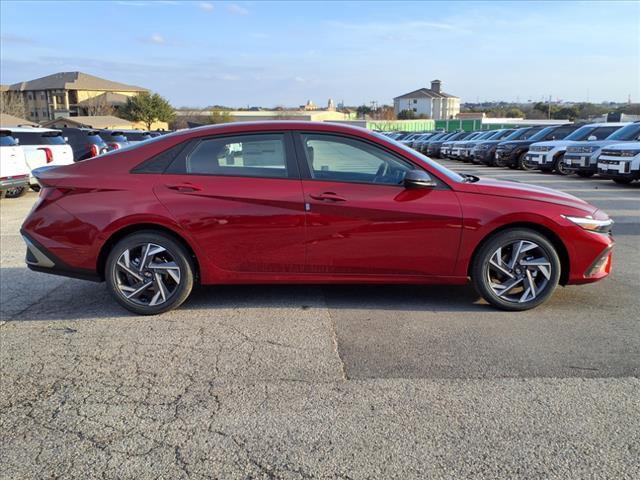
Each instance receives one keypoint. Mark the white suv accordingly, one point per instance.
(42, 146)
(620, 162)
(14, 173)
(542, 155)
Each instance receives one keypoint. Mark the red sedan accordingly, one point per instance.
(304, 202)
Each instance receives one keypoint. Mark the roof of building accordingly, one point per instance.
(425, 93)
(97, 121)
(74, 81)
(7, 120)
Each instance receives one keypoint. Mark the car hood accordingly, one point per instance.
(510, 189)
(623, 146)
(597, 143)
(557, 143)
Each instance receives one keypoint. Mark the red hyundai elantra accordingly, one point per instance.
(304, 202)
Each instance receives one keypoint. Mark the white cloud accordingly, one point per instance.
(394, 27)
(206, 6)
(237, 9)
(157, 39)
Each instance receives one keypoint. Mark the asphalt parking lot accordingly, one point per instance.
(324, 382)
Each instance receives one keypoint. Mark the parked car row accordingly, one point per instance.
(24, 149)
(611, 150)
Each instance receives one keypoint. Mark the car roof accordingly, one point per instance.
(606, 124)
(31, 129)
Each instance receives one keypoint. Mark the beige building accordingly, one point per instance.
(71, 94)
(430, 102)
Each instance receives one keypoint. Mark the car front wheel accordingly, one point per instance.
(516, 269)
(149, 273)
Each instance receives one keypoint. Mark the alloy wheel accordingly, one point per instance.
(519, 271)
(147, 274)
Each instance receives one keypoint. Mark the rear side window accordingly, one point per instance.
(7, 141)
(244, 155)
(38, 138)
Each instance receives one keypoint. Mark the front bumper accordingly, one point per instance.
(575, 162)
(617, 169)
(539, 160)
(505, 156)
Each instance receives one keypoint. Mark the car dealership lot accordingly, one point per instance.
(324, 382)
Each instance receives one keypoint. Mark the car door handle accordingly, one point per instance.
(328, 196)
(184, 187)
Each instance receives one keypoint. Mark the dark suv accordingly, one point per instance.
(434, 149)
(485, 152)
(85, 142)
(512, 153)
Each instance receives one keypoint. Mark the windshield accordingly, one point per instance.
(97, 139)
(630, 132)
(488, 135)
(423, 159)
(7, 141)
(502, 134)
(542, 134)
(521, 134)
(40, 138)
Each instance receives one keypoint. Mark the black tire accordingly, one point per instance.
(559, 167)
(480, 268)
(585, 174)
(522, 164)
(35, 188)
(16, 192)
(177, 252)
(623, 181)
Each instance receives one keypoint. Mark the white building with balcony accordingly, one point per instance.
(432, 102)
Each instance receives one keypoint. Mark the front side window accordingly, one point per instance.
(246, 155)
(343, 159)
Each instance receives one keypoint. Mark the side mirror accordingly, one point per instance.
(591, 138)
(418, 179)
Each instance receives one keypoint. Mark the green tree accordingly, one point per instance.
(406, 115)
(147, 108)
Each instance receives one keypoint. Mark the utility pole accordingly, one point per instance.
(549, 107)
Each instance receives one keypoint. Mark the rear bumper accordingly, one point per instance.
(14, 182)
(39, 259)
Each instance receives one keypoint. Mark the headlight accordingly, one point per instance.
(591, 224)
(629, 153)
(541, 148)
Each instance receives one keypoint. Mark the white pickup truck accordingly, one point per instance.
(42, 146)
(14, 173)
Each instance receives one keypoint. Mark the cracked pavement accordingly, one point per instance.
(283, 382)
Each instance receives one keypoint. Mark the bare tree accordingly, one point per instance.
(11, 103)
(98, 106)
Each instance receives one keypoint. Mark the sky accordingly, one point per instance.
(284, 53)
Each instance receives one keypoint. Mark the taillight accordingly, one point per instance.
(93, 150)
(114, 146)
(48, 154)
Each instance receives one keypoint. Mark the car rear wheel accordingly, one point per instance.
(516, 269)
(149, 273)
